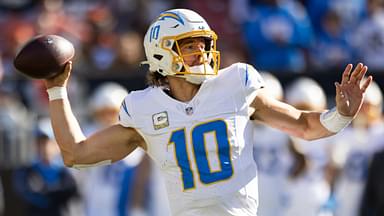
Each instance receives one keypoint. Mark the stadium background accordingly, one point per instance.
(316, 38)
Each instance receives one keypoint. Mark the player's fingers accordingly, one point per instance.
(362, 73)
(338, 89)
(356, 72)
(367, 82)
(68, 65)
(68, 68)
(62, 78)
(346, 73)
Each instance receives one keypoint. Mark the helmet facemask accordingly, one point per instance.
(210, 57)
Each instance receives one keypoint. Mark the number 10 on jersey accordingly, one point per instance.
(207, 176)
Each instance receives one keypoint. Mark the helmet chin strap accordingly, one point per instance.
(202, 73)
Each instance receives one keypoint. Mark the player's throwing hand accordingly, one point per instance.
(60, 80)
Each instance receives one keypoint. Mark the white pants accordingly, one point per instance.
(241, 203)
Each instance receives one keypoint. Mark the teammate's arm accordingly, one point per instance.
(112, 143)
(307, 124)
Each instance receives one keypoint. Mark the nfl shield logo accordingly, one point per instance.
(189, 110)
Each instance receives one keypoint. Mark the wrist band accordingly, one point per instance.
(333, 121)
(85, 166)
(56, 93)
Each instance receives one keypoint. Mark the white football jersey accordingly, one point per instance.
(356, 147)
(308, 193)
(273, 162)
(203, 147)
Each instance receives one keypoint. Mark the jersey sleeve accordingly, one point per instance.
(251, 81)
(125, 114)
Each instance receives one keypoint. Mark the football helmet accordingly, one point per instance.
(272, 83)
(107, 95)
(373, 95)
(162, 48)
(371, 111)
(307, 91)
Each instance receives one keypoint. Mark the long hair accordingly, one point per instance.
(156, 79)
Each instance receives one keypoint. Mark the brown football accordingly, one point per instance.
(44, 56)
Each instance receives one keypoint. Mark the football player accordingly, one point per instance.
(194, 120)
(353, 151)
(307, 188)
(271, 153)
(116, 183)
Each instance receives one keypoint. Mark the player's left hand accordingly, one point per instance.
(350, 92)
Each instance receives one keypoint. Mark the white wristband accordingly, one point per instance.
(56, 93)
(333, 121)
(85, 166)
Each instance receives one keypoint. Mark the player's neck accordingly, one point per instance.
(181, 89)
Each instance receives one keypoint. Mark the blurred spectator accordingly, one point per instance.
(1, 69)
(17, 6)
(216, 12)
(373, 197)
(107, 36)
(35, 95)
(331, 49)
(1, 198)
(129, 54)
(15, 132)
(102, 49)
(16, 30)
(15, 145)
(155, 7)
(278, 35)
(351, 12)
(122, 186)
(98, 53)
(354, 149)
(45, 186)
(239, 11)
(129, 14)
(129, 49)
(369, 37)
(52, 18)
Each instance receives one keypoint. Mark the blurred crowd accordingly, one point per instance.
(289, 41)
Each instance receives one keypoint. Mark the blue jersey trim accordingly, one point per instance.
(125, 108)
(246, 75)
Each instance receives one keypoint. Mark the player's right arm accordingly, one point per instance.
(113, 143)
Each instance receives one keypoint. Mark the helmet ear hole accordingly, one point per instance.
(158, 57)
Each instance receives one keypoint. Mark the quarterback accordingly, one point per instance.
(195, 119)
